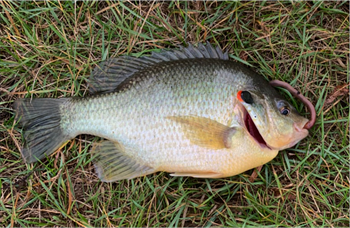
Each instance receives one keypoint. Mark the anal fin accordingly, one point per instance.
(112, 163)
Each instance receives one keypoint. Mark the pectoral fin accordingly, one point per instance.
(205, 132)
(112, 163)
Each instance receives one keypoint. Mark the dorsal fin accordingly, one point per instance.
(110, 73)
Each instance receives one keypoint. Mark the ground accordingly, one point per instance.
(48, 49)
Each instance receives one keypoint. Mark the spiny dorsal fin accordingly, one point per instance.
(112, 163)
(110, 73)
(205, 132)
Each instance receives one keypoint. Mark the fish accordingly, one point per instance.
(189, 112)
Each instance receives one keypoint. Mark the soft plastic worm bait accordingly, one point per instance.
(297, 94)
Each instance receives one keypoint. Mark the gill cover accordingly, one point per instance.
(278, 123)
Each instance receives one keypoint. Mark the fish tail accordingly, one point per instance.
(41, 120)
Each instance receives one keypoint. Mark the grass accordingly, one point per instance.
(48, 49)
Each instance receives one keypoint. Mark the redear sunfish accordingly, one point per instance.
(190, 112)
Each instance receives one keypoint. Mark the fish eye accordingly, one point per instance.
(284, 110)
(247, 97)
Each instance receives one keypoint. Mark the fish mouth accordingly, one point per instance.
(253, 130)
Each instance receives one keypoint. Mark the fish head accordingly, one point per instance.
(271, 120)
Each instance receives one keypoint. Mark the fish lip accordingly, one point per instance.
(253, 130)
(299, 132)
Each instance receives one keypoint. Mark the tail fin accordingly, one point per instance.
(40, 119)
